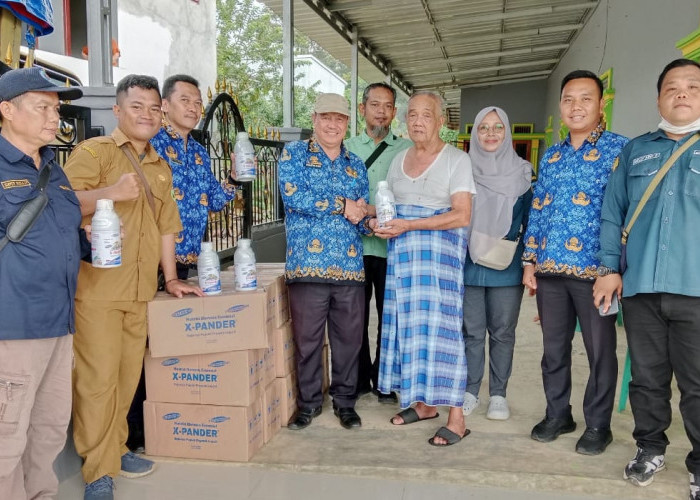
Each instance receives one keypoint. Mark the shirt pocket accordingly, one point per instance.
(692, 178)
(13, 395)
(12, 200)
(639, 179)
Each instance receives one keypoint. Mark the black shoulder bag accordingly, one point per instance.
(27, 215)
(375, 154)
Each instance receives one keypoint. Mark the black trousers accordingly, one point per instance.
(375, 276)
(313, 305)
(559, 302)
(663, 335)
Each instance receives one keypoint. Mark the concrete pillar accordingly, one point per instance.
(288, 63)
(353, 83)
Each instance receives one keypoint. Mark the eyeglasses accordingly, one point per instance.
(498, 128)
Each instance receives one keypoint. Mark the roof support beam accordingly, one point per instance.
(490, 80)
(460, 21)
(344, 29)
(487, 55)
(487, 69)
(405, 38)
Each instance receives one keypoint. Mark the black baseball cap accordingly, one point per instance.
(35, 79)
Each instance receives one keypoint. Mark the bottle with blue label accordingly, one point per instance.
(245, 273)
(209, 270)
(245, 158)
(106, 241)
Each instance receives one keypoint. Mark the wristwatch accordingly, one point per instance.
(604, 271)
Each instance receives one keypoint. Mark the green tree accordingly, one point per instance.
(249, 56)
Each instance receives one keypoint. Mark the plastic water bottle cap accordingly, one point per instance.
(207, 246)
(382, 185)
(104, 204)
(244, 243)
(242, 136)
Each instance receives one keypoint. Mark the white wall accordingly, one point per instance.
(309, 71)
(641, 39)
(165, 37)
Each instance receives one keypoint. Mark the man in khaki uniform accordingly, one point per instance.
(111, 303)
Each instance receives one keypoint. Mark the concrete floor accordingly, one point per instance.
(497, 460)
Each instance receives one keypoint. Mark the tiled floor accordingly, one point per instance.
(211, 481)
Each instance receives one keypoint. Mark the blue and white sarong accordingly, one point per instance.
(422, 349)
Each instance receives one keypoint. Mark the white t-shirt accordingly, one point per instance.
(450, 173)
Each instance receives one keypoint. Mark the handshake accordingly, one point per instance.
(355, 211)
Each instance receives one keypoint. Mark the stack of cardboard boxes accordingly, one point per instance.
(220, 376)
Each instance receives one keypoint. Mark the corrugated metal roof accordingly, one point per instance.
(444, 45)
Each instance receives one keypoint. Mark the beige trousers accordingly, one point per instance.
(109, 345)
(35, 401)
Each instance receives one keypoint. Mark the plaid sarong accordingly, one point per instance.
(422, 350)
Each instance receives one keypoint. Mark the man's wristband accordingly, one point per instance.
(526, 263)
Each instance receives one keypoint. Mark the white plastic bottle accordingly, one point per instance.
(245, 274)
(245, 158)
(106, 236)
(384, 203)
(208, 270)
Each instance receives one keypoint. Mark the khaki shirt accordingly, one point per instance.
(98, 163)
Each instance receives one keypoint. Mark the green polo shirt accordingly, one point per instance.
(363, 146)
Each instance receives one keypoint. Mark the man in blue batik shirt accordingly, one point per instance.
(324, 188)
(197, 191)
(560, 263)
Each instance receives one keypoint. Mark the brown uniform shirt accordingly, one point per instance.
(98, 163)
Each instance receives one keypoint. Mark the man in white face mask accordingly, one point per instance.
(661, 283)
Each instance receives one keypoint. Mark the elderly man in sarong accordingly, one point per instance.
(422, 349)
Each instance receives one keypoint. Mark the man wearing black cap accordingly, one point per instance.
(38, 276)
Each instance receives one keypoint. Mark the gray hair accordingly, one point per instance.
(439, 101)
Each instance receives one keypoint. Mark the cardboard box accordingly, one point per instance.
(279, 305)
(273, 283)
(287, 388)
(269, 365)
(271, 411)
(230, 433)
(232, 321)
(283, 342)
(233, 378)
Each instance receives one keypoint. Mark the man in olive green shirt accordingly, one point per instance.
(377, 146)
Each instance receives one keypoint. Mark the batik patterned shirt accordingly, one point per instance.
(322, 245)
(564, 223)
(197, 191)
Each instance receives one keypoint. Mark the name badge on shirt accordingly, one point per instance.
(640, 159)
(15, 183)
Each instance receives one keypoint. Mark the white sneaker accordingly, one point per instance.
(471, 403)
(498, 408)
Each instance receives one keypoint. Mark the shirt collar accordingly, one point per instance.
(660, 134)
(120, 139)
(366, 139)
(13, 155)
(592, 138)
(168, 129)
(314, 147)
